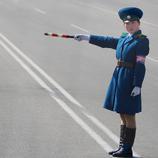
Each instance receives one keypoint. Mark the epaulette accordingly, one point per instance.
(124, 34)
(140, 36)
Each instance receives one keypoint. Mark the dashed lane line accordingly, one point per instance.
(40, 11)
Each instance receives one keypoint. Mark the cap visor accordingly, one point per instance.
(126, 21)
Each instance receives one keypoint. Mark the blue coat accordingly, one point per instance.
(124, 79)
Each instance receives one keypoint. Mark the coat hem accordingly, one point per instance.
(121, 112)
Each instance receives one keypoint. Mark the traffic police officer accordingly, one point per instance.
(124, 92)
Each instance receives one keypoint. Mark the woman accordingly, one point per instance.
(124, 92)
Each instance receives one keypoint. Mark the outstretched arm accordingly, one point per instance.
(101, 41)
(81, 37)
(104, 41)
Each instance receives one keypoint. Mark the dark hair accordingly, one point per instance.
(138, 21)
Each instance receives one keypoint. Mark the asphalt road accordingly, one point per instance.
(52, 90)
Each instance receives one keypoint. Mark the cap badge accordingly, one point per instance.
(128, 17)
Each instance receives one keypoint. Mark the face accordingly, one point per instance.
(132, 26)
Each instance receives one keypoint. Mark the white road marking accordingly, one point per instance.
(40, 11)
(62, 104)
(90, 131)
(152, 59)
(149, 23)
(42, 72)
(102, 127)
(80, 28)
(24, 66)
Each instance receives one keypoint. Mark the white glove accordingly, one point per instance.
(82, 37)
(136, 91)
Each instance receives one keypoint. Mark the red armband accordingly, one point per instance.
(140, 59)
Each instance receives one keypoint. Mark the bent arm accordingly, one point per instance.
(142, 51)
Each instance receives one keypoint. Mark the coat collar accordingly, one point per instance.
(134, 36)
(137, 33)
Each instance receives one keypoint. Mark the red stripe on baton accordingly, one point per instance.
(57, 35)
(54, 35)
(67, 36)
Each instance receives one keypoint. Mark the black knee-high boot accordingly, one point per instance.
(122, 133)
(126, 149)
